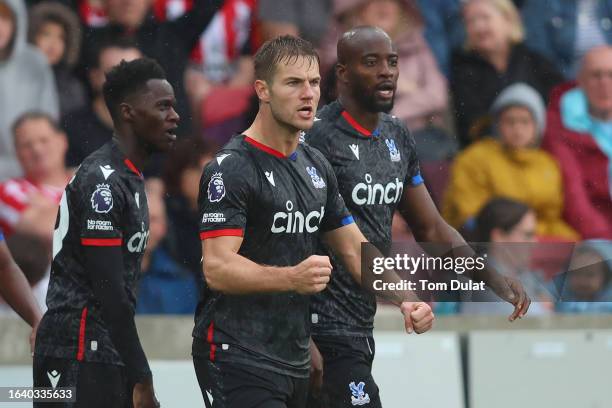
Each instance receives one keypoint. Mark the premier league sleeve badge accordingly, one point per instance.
(216, 188)
(102, 199)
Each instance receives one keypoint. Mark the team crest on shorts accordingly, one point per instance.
(316, 180)
(359, 397)
(393, 152)
(102, 199)
(216, 188)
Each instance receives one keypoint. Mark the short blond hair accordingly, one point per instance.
(508, 10)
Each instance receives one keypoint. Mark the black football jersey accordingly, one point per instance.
(280, 206)
(103, 205)
(373, 169)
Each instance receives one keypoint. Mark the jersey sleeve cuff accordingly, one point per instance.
(416, 180)
(101, 242)
(226, 232)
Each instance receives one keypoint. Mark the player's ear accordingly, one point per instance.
(262, 90)
(126, 112)
(341, 72)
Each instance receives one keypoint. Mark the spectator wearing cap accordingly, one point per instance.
(579, 135)
(494, 56)
(511, 165)
(564, 31)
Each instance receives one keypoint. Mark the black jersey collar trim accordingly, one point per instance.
(269, 150)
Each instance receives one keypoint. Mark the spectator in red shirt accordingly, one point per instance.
(579, 135)
(28, 205)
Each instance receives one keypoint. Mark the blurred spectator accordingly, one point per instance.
(165, 286)
(26, 81)
(220, 83)
(493, 58)
(56, 30)
(307, 19)
(510, 165)
(443, 28)
(92, 126)
(579, 135)
(421, 99)
(587, 288)
(510, 229)
(28, 205)
(169, 42)
(564, 30)
(182, 179)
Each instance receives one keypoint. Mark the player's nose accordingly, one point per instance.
(173, 116)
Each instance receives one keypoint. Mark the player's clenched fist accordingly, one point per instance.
(311, 275)
(418, 316)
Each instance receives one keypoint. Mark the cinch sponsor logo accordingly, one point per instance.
(368, 193)
(138, 241)
(292, 222)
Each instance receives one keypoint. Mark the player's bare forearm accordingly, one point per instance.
(16, 290)
(228, 272)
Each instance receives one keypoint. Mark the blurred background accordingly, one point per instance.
(510, 103)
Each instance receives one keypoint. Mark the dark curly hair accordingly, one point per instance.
(128, 78)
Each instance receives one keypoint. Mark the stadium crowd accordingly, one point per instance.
(510, 103)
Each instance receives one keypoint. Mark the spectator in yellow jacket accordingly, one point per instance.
(511, 165)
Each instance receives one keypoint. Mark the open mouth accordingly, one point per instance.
(306, 112)
(385, 90)
(171, 133)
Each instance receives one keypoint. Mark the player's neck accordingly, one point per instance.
(268, 131)
(129, 146)
(366, 119)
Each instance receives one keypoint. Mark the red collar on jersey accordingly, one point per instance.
(131, 166)
(351, 121)
(269, 150)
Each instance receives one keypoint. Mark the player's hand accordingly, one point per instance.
(418, 316)
(512, 291)
(143, 396)
(311, 275)
(316, 369)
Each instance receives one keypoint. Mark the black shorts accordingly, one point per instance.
(231, 385)
(97, 385)
(347, 373)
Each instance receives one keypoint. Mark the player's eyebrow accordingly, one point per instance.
(294, 78)
(164, 100)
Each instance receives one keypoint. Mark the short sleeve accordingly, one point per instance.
(413, 176)
(336, 213)
(224, 197)
(102, 209)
